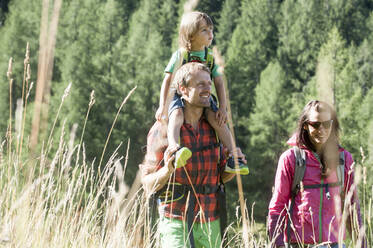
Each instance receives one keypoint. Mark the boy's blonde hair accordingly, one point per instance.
(189, 25)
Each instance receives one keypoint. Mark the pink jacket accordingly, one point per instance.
(310, 206)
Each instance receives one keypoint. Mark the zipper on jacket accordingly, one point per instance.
(321, 199)
(320, 211)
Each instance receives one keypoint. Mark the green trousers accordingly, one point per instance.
(174, 234)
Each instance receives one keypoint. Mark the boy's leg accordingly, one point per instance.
(175, 121)
(222, 131)
(226, 138)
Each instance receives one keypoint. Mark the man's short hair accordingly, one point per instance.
(183, 74)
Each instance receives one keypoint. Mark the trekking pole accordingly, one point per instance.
(188, 7)
(219, 60)
(195, 193)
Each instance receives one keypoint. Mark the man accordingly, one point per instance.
(188, 196)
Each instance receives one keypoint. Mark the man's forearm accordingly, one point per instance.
(155, 181)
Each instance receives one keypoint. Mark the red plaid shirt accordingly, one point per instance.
(202, 168)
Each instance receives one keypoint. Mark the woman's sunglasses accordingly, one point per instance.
(317, 124)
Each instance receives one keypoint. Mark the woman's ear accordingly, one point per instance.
(305, 126)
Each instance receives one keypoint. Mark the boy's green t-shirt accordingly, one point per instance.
(194, 55)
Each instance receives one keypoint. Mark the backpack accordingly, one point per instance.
(209, 58)
(299, 170)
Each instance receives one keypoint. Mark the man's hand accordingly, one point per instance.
(221, 116)
(241, 155)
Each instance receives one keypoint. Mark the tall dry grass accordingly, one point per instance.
(49, 201)
(59, 200)
(54, 204)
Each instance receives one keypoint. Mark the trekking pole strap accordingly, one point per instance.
(200, 189)
(324, 185)
(289, 219)
(203, 148)
(190, 218)
(222, 212)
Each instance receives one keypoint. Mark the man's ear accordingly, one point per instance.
(183, 90)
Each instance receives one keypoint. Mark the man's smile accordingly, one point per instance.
(205, 95)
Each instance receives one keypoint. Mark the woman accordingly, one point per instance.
(315, 205)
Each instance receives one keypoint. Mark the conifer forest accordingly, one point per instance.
(80, 82)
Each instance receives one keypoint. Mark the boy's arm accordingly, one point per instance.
(163, 95)
(221, 115)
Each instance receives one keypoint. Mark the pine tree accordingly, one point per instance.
(354, 97)
(270, 125)
(21, 26)
(226, 24)
(364, 80)
(2, 17)
(145, 53)
(337, 83)
(349, 97)
(303, 29)
(210, 7)
(365, 119)
(3, 11)
(364, 58)
(253, 43)
(89, 59)
(331, 61)
(349, 16)
(370, 145)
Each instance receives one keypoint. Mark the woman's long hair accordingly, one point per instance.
(329, 155)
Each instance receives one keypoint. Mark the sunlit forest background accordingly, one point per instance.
(278, 55)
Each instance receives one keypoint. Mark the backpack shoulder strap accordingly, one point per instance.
(299, 169)
(209, 58)
(341, 169)
(184, 55)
